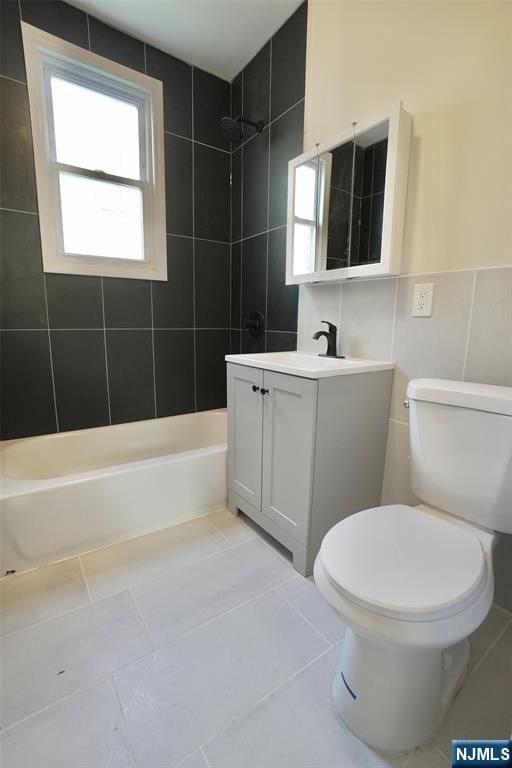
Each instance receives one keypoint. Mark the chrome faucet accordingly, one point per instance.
(332, 340)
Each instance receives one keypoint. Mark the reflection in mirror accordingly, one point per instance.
(338, 205)
(356, 202)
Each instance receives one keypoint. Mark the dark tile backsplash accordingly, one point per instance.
(80, 351)
(271, 87)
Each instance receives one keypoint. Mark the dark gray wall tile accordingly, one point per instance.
(281, 342)
(80, 379)
(255, 184)
(116, 45)
(58, 19)
(251, 345)
(235, 344)
(178, 185)
(17, 180)
(257, 87)
(22, 302)
(289, 62)
(173, 299)
(174, 372)
(254, 275)
(211, 346)
(26, 391)
(212, 284)
(176, 77)
(211, 102)
(236, 284)
(211, 191)
(74, 301)
(12, 63)
(236, 196)
(283, 300)
(286, 142)
(130, 375)
(127, 303)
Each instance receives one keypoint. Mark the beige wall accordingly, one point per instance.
(450, 61)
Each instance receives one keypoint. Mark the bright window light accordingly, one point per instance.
(98, 135)
(100, 218)
(94, 130)
(305, 192)
(303, 248)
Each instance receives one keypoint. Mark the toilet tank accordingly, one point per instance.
(461, 449)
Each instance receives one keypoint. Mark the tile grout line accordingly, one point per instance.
(490, 648)
(82, 569)
(13, 80)
(105, 348)
(203, 755)
(276, 589)
(393, 330)
(88, 31)
(142, 619)
(468, 335)
(151, 284)
(257, 234)
(195, 141)
(270, 122)
(194, 241)
(253, 707)
(268, 190)
(440, 752)
(51, 353)
(123, 719)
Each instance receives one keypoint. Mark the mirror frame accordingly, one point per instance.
(395, 195)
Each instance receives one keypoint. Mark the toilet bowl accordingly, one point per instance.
(412, 583)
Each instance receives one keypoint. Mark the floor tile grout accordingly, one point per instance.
(142, 619)
(303, 617)
(123, 719)
(489, 650)
(267, 695)
(82, 569)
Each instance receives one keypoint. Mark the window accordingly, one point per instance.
(98, 145)
(310, 206)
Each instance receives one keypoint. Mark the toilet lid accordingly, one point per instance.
(403, 562)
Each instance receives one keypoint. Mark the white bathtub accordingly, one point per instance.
(71, 492)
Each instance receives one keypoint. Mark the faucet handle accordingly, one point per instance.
(332, 327)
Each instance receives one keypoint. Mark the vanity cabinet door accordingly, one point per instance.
(289, 421)
(245, 426)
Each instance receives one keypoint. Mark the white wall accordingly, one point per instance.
(451, 64)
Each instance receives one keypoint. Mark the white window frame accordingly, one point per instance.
(322, 167)
(46, 55)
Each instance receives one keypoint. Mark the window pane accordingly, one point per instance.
(95, 131)
(303, 249)
(305, 192)
(100, 218)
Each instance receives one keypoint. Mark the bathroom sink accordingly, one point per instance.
(308, 365)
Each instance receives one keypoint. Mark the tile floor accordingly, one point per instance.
(199, 647)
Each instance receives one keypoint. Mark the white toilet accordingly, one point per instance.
(412, 583)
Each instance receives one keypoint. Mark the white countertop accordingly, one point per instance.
(308, 365)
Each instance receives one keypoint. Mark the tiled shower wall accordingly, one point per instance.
(84, 351)
(271, 89)
(468, 337)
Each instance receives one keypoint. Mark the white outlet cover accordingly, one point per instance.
(422, 300)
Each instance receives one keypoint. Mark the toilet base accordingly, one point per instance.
(393, 697)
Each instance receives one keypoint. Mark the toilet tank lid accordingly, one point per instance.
(464, 394)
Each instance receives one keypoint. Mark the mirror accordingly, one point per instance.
(337, 200)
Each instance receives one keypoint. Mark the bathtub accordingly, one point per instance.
(68, 493)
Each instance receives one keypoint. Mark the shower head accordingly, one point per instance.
(232, 127)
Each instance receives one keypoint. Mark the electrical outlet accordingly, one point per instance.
(422, 300)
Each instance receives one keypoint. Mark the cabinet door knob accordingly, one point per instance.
(255, 388)
(264, 391)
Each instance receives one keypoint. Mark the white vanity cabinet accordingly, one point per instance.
(304, 452)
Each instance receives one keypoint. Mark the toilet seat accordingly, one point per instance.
(404, 563)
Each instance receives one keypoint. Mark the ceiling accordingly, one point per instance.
(220, 36)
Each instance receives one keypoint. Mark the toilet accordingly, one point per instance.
(412, 583)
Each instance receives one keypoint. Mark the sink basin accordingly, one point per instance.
(308, 365)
